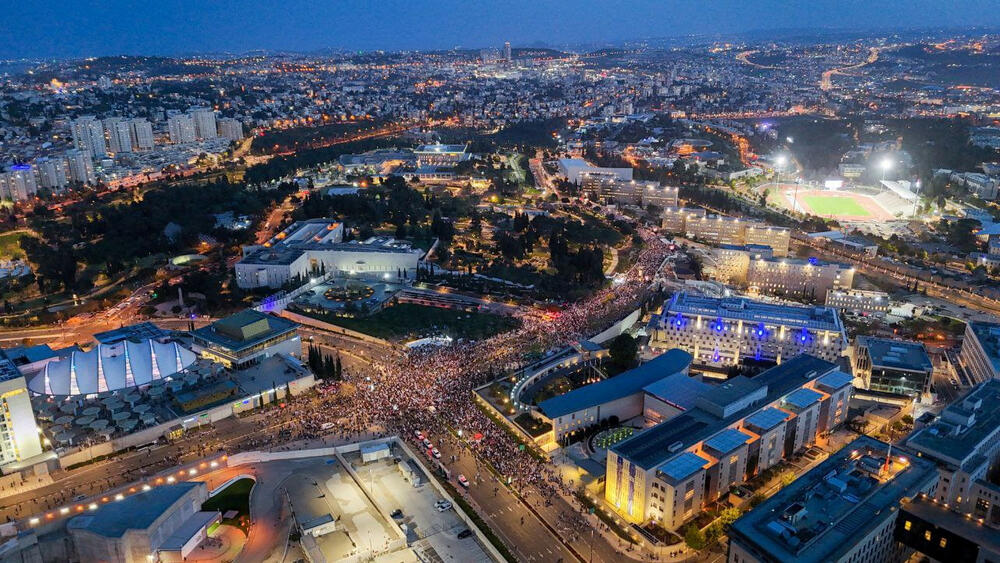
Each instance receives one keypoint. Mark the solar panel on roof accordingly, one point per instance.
(683, 465)
(727, 440)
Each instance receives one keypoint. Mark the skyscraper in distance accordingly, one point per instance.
(506, 51)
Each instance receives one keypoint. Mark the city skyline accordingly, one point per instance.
(69, 30)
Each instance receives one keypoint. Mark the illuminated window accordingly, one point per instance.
(927, 535)
(943, 542)
(907, 525)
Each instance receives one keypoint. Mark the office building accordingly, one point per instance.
(205, 126)
(723, 331)
(608, 189)
(246, 338)
(942, 534)
(668, 473)
(88, 136)
(965, 444)
(81, 167)
(622, 396)
(720, 230)
(859, 301)
(165, 523)
(791, 277)
(142, 134)
(18, 430)
(506, 51)
(675, 219)
(844, 510)
(980, 354)
(181, 128)
(307, 248)
(231, 129)
(893, 366)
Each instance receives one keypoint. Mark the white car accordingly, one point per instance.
(418, 434)
(443, 506)
(435, 453)
(427, 444)
(463, 481)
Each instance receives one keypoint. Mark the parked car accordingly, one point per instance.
(436, 453)
(463, 481)
(464, 534)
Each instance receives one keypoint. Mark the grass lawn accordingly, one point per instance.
(409, 321)
(834, 205)
(234, 497)
(10, 244)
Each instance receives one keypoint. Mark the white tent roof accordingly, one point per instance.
(109, 367)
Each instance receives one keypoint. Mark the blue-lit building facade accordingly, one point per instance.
(722, 332)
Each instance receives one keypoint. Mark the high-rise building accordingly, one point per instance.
(205, 126)
(181, 128)
(52, 173)
(18, 183)
(81, 168)
(231, 129)
(88, 136)
(142, 134)
(18, 429)
(980, 354)
(506, 51)
(119, 135)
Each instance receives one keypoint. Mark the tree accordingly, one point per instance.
(624, 351)
(695, 538)
(729, 515)
(787, 478)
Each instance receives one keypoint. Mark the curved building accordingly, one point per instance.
(109, 367)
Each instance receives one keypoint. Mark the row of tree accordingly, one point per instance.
(324, 366)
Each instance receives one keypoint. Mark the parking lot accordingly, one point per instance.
(430, 532)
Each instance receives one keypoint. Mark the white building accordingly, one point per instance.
(18, 429)
(88, 136)
(859, 301)
(574, 169)
(231, 129)
(723, 331)
(720, 230)
(205, 126)
(142, 134)
(52, 173)
(18, 183)
(181, 129)
(307, 248)
(81, 167)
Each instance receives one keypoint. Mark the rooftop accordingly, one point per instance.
(767, 419)
(803, 398)
(742, 308)
(684, 465)
(954, 522)
(135, 512)
(896, 354)
(988, 335)
(656, 445)
(678, 390)
(963, 426)
(439, 148)
(244, 329)
(137, 332)
(632, 381)
(727, 440)
(850, 493)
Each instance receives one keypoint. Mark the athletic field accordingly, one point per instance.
(841, 206)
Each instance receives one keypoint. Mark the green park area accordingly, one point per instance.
(407, 321)
(234, 497)
(10, 244)
(834, 205)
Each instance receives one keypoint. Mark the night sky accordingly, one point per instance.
(74, 28)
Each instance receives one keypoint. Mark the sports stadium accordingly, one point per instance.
(890, 201)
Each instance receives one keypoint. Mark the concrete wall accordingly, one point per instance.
(617, 328)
